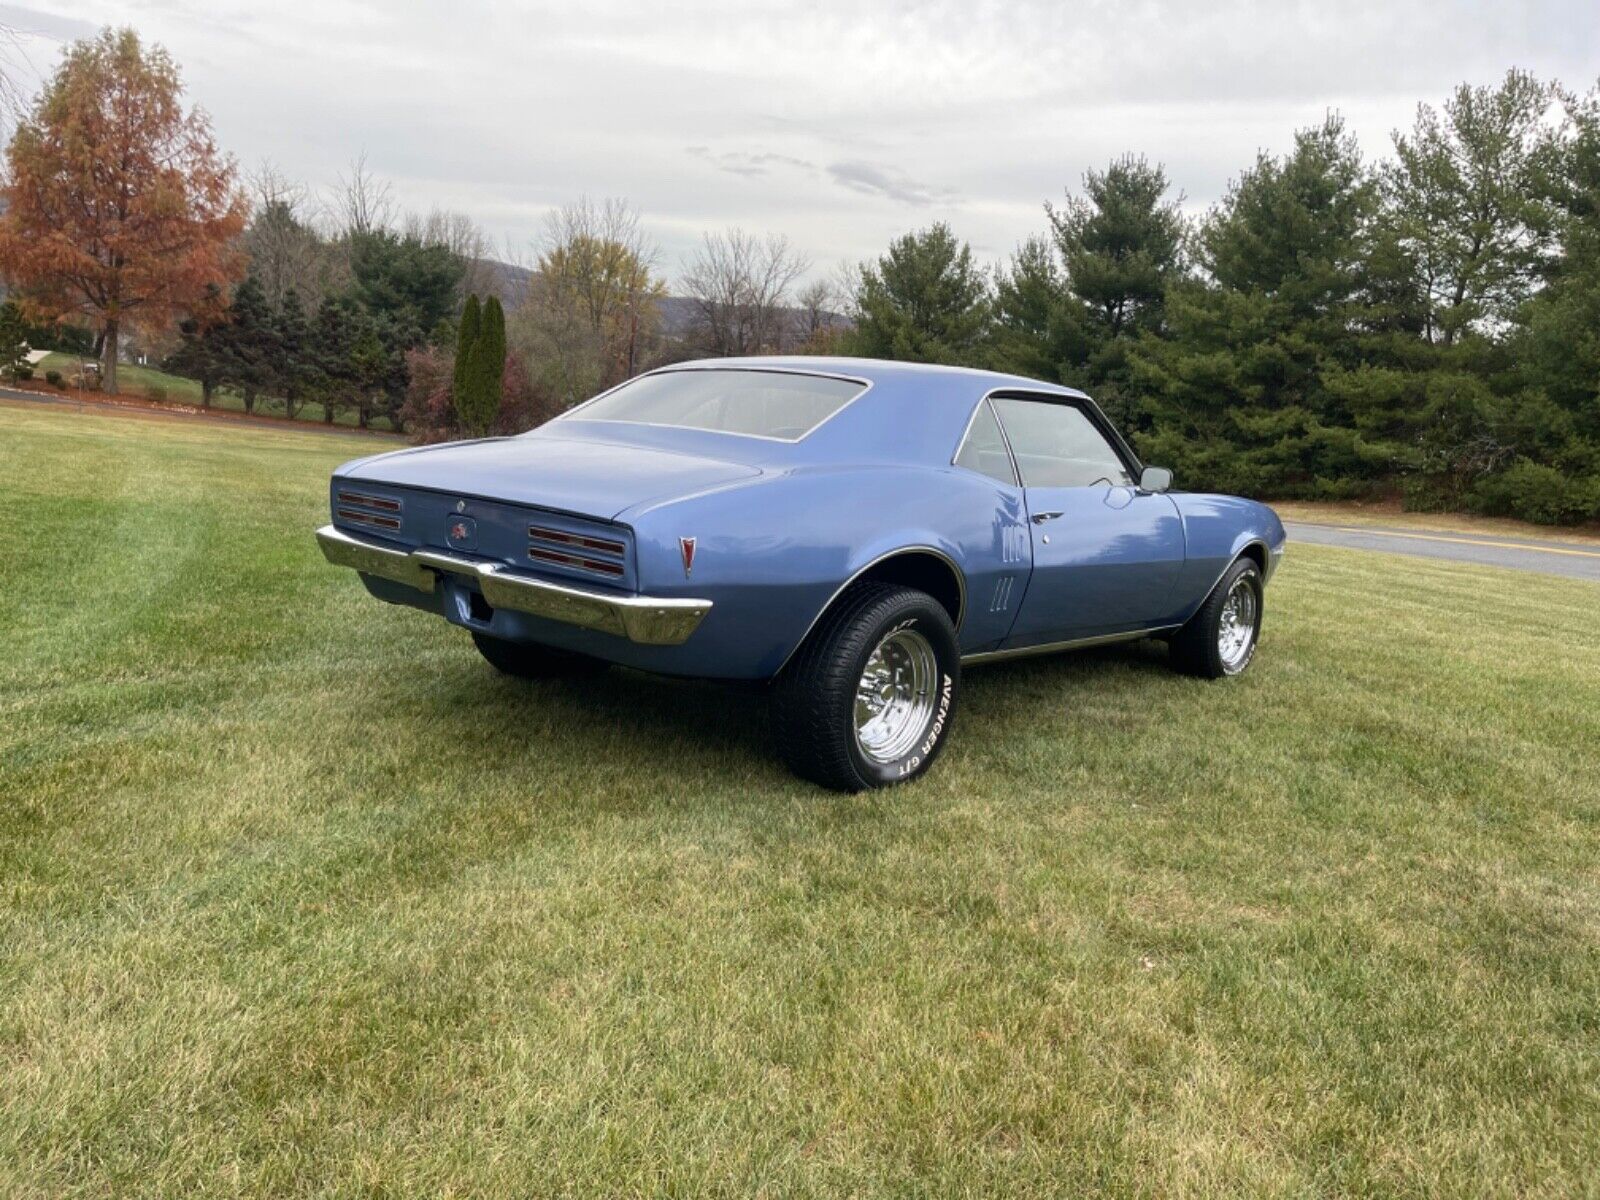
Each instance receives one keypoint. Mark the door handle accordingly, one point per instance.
(1041, 518)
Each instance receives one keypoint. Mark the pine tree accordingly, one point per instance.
(1469, 203)
(466, 338)
(925, 300)
(482, 372)
(331, 351)
(252, 342)
(1036, 328)
(1121, 247)
(202, 353)
(367, 367)
(293, 338)
(1121, 243)
(1242, 395)
(492, 352)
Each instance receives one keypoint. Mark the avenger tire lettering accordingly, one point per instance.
(867, 700)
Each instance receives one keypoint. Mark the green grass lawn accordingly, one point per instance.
(297, 897)
(150, 383)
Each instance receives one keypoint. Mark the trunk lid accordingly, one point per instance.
(590, 478)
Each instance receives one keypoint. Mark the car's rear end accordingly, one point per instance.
(479, 549)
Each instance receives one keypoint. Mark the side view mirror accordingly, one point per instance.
(1155, 479)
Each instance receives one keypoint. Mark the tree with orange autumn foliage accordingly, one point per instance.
(121, 209)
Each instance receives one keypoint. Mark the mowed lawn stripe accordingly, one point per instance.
(297, 896)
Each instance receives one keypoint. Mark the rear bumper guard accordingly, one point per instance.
(648, 621)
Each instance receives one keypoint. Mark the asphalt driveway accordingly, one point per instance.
(1493, 550)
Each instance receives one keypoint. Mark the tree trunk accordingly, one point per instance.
(207, 386)
(361, 414)
(249, 400)
(327, 412)
(108, 359)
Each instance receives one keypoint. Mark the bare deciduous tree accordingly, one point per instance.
(12, 56)
(363, 203)
(740, 286)
(459, 234)
(286, 251)
(816, 317)
(592, 310)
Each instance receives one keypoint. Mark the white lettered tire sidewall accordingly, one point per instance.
(814, 698)
(933, 624)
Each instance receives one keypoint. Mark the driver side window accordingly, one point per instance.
(1057, 445)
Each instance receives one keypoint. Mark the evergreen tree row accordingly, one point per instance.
(349, 353)
(1428, 325)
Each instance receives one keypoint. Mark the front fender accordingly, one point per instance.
(1216, 530)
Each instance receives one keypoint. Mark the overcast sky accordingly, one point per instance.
(840, 123)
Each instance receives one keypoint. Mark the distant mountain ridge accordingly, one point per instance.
(511, 282)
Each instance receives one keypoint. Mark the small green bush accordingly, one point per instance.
(1536, 493)
(22, 371)
(53, 378)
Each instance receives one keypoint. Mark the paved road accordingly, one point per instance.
(1494, 550)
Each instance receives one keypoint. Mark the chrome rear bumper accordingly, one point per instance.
(660, 621)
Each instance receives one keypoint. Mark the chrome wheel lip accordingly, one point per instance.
(1236, 625)
(895, 696)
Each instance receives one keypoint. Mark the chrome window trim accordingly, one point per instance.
(1103, 639)
(961, 589)
(646, 620)
(1097, 418)
(1016, 475)
(866, 386)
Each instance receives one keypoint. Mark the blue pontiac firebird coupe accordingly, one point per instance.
(855, 532)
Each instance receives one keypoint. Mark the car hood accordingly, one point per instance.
(590, 478)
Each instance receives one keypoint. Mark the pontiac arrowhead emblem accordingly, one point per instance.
(686, 545)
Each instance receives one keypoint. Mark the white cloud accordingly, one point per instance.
(840, 124)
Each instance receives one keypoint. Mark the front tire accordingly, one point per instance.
(1221, 638)
(870, 697)
(529, 660)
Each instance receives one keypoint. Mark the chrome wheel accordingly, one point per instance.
(896, 695)
(1236, 627)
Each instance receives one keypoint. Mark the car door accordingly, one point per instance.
(1106, 556)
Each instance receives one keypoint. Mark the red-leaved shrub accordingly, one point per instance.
(430, 414)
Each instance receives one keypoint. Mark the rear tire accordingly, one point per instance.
(870, 696)
(529, 660)
(1221, 638)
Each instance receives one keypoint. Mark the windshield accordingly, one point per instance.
(768, 404)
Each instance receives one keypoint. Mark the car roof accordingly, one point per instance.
(877, 370)
(906, 413)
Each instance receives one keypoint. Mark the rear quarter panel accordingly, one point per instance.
(771, 554)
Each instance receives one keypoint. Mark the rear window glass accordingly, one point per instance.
(766, 404)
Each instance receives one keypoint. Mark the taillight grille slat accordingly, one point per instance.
(374, 519)
(364, 508)
(572, 560)
(381, 503)
(578, 551)
(581, 541)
